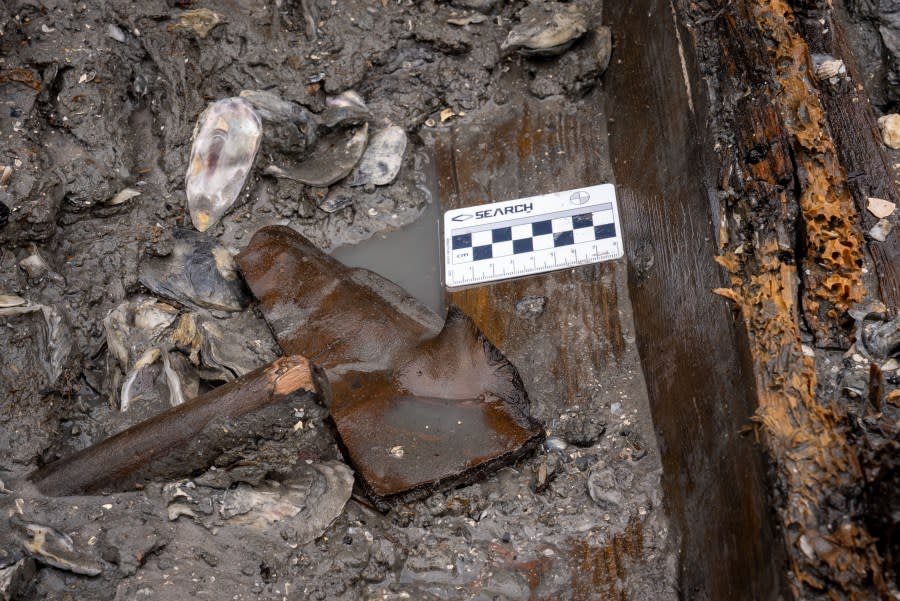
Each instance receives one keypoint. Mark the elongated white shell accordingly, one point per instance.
(226, 140)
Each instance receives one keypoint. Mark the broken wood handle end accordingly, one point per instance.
(186, 439)
(295, 373)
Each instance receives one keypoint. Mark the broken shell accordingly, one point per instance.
(226, 140)
(113, 31)
(273, 107)
(546, 29)
(289, 126)
(310, 500)
(880, 208)
(602, 48)
(381, 161)
(881, 230)
(830, 68)
(54, 548)
(472, 19)
(34, 265)
(57, 332)
(122, 196)
(337, 199)
(555, 443)
(347, 108)
(333, 159)
(11, 300)
(200, 20)
(235, 346)
(132, 329)
(890, 130)
(136, 325)
(198, 273)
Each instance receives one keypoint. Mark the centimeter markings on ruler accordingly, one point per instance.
(525, 236)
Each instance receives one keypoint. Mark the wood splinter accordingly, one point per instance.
(186, 439)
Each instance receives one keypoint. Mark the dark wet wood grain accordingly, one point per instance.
(522, 150)
(694, 355)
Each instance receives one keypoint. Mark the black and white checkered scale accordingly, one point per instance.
(524, 238)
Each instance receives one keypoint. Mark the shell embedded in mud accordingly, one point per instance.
(198, 273)
(290, 128)
(546, 29)
(226, 140)
(332, 160)
(347, 108)
(381, 161)
(890, 130)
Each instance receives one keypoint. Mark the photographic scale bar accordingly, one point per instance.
(525, 236)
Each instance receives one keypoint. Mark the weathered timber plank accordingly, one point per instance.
(694, 354)
(813, 463)
(578, 354)
(525, 150)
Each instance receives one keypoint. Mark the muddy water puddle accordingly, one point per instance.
(410, 257)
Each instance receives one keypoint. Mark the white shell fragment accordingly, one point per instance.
(11, 300)
(829, 69)
(122, 196)
(347, 108)
(546, 29)
(333, 159)
(881, 230)
(880, 207)
(226, 140)
(381, 162)
(890, 130)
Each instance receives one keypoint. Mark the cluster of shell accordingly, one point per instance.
(159, 356)
(227, 139)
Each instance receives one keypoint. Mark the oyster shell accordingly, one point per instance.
(235, 346)
(381, 161)
(289, 126)
(546, 29)
(54, 548)
(309, 500)
(198, 273)
(347, 108)
(226, 140)
(136, 337)
(334, 157)
(157, 359)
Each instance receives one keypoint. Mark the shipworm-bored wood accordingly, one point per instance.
(852, 121)
(758, 49)
(185, 439)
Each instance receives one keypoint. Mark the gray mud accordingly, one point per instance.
(97, 97)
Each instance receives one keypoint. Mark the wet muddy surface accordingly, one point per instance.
(98, 105)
